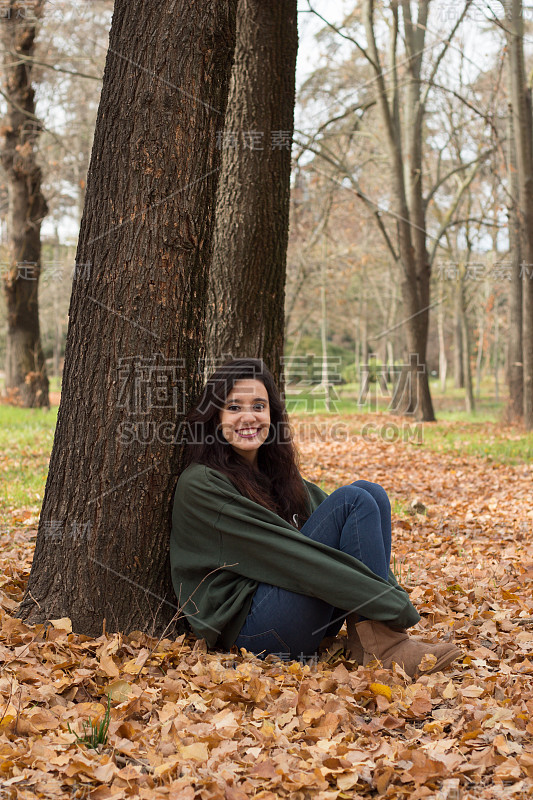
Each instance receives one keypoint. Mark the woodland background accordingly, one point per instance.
(343, 298)
(406, 200)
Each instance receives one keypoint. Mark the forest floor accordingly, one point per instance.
(187, 723)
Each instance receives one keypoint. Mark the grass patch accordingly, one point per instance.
(400, 508)
(502, 445)
(26, 438)
(94, 733)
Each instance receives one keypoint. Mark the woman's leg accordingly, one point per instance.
(365, 534)
(350, 519)
(356, 520)
(285, 623)
(380, 496)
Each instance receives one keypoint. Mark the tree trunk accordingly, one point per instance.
(26, 377)
(443, 361)
(496, 356)
(483, 312)
(324, 380)
(467, 346)
(458, 344)
(247, 283)
(408, 201)
(514, 373)
(523, 134)
(57, 318)
(136, 321)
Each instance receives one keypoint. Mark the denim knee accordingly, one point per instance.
(377, 491)
(355, 493)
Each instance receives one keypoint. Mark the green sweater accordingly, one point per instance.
(223, 544)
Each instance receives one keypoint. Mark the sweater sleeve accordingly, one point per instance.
(258, 544)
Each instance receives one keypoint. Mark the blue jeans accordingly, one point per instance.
(355, 519)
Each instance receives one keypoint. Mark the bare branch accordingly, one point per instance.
(344, 35)
(53, 67)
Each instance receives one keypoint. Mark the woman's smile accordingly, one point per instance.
(248, 433)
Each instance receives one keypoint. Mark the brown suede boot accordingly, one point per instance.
(381, 642)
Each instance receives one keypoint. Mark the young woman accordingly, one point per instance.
(266, 560)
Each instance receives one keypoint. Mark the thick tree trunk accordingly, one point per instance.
(26, 377)
(137, 319)
(247, 282)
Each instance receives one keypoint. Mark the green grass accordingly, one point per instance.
(345, 400)
(480, 433)
(94, 734)
(400, 508)
(26, 437)
(477, 438)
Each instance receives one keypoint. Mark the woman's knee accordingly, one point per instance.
(355, 493)
(376, 491)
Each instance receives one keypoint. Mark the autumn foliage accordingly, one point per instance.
(187, 723)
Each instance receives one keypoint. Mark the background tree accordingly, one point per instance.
(523, 140)
(137, 319)
(247, 281)
(403, 69)
(26, 373)
(67, 65)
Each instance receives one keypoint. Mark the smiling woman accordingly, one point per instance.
(264, 559)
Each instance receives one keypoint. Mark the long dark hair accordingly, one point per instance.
(276, 484)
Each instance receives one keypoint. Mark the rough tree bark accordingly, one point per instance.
(247, 282)
(137, 319)
(26, 379)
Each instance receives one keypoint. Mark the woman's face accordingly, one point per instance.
(245, 418)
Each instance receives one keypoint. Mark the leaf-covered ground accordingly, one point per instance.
(185, 723)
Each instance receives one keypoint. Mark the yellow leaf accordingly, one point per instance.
(196, 751)
(131, 667)
(6, 720)
(450, 691)
(167, 766)
(119, 691)
(347, 781)
(380, 688)
(63, 624)
(472, 691)
(428, 662)
(108, 666)
(310, 714)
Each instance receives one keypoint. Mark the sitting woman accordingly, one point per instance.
(266, 560)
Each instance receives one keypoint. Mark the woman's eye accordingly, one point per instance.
(258, 407)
